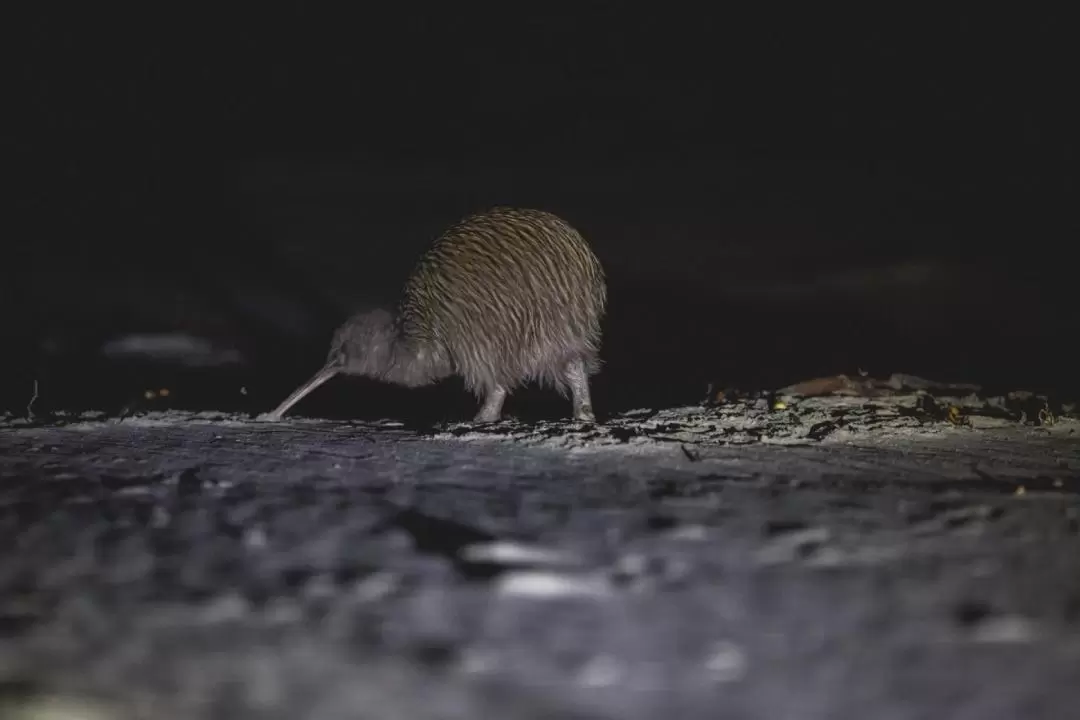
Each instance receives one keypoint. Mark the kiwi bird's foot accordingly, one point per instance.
(584, 414)
(491, 411)
(487, 416)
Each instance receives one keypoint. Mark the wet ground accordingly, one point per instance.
(769, 557)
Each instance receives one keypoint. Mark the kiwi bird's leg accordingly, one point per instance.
(491, 411)
(316, 380)
(578, 380)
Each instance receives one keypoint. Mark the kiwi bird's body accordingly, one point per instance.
(502, 298)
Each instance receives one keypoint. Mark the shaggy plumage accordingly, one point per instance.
(502, 298)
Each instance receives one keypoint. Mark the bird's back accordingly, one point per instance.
(509, 294)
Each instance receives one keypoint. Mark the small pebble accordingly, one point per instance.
(727, 662)
(601, 671)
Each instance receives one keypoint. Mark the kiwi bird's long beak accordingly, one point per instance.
(316, 380)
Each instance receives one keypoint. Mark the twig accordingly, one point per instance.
(30, 405)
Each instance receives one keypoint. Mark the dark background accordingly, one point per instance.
(773, 198)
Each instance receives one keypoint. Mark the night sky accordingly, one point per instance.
(773, 199)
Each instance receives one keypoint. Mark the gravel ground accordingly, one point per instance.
(768, 557)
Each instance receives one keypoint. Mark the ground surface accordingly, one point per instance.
(811, 558)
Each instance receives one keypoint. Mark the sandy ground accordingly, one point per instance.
(838, 557)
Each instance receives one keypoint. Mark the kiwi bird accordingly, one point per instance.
(501, 298)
